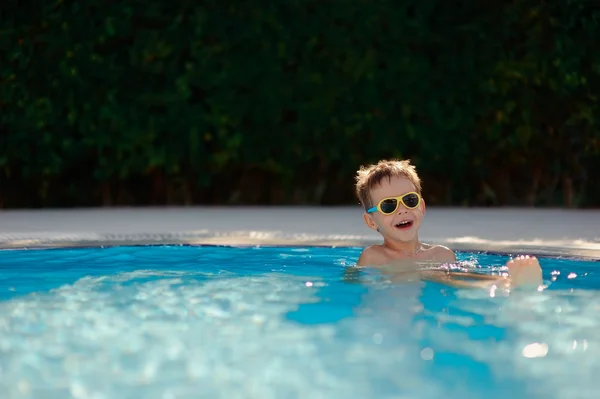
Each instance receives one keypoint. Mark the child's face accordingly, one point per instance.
(404, 223)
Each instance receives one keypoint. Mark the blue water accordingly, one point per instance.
(273, 322)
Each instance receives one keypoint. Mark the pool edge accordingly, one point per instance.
(257, 238)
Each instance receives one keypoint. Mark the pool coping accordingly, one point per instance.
(502, 231)
(267, 238)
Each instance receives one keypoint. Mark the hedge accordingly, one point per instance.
(279, 102)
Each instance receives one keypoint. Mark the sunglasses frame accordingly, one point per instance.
(399, 200)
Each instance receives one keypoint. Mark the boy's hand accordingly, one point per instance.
(525, 271)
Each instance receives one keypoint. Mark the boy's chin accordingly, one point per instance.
(402, 236)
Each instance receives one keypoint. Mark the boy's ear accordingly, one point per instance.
(369, 221)
(423, 206)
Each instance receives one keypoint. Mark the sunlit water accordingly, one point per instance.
(217, 322)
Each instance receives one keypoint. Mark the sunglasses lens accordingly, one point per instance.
(388, 205)
(411, 200)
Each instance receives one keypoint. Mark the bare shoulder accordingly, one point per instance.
(440, 253)
(372, 256)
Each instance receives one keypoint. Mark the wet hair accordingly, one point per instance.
(367, 177)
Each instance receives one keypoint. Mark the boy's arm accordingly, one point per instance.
(446, 255)
(456, 280)
(524, 271)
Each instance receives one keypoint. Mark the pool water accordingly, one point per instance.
(275, 322)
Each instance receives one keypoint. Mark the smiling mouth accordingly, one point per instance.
(405, 224)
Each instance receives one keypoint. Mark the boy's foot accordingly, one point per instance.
(525, 271)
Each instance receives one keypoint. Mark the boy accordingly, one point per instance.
(390, 192)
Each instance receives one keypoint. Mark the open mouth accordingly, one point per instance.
(405, 224)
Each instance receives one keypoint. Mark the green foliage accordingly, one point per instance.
(160, 102)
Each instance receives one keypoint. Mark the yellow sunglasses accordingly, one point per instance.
(389, 205)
